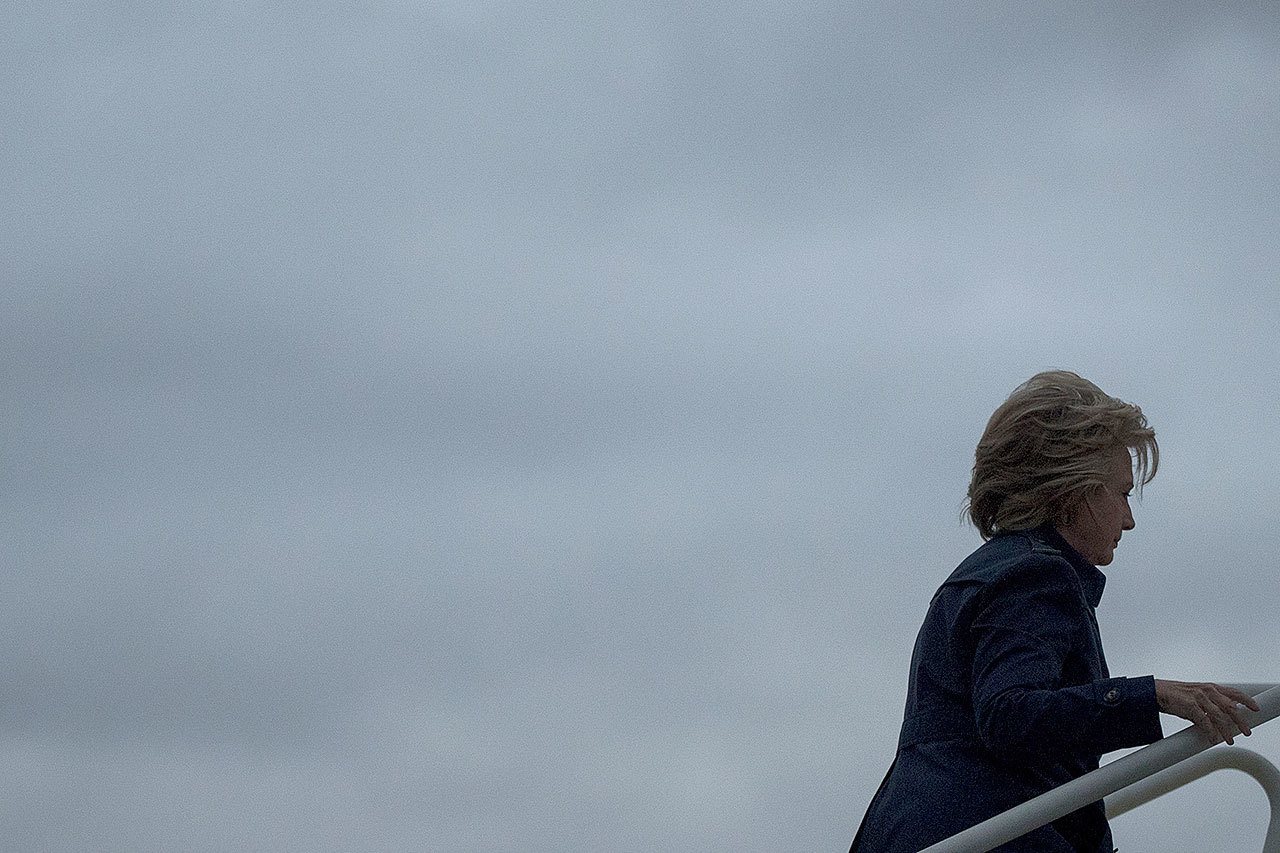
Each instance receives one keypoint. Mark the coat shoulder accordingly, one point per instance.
(1007, 557)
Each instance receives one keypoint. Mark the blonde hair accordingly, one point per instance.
(1049, 445)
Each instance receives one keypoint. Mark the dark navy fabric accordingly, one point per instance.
(1008, 696)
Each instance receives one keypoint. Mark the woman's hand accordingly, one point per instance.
(1211, 707)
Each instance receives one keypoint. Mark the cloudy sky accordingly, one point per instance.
(491, 426)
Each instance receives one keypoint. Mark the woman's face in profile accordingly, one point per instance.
(1104, 514)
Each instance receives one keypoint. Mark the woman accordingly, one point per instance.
(1009, 693)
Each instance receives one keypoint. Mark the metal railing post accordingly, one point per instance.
(1170, 779)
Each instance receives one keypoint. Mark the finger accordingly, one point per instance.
(1224, 724)
(1222, 730)
(1241, 697)
(1204, 720)
(1237, 715)
(1227, 698)
(1235, 696)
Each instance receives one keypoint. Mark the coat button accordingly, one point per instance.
(1112, 697)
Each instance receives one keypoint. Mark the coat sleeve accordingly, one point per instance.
(1024, 633)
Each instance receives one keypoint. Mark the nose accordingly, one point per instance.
(1126, 523)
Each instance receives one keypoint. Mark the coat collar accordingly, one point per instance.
(1091, 577)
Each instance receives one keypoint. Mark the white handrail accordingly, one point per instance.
(1172, 778)
(1097, 784)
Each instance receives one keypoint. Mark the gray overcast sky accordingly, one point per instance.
(495, 426)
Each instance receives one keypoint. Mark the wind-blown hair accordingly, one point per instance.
(1049, 445)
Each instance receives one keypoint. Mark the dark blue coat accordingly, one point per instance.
(1009, 696)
